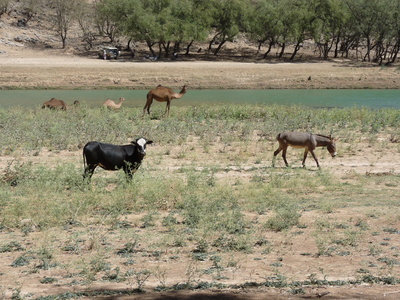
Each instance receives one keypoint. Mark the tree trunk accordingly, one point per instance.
(166, 47)
(282, 50)
(188, 47)
(296, 49)
(269, 49)
(150, 45)
(219, 47)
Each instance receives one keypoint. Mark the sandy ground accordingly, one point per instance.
(22, 68)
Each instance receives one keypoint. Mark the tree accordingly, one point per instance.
(191, 22)
(300, 19)
(229, 17)
(366, 15)
(329, 25)
(85, 17)
(64, 15)
(30, 8)
(394, 20)
(264, 24)
(4, 6)
(107, 16)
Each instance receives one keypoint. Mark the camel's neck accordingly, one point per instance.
(119, 103)
(322, 140)
(180, 94)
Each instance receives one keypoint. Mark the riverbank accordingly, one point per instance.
(50, 69)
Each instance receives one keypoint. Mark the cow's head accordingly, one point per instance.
(140, 144)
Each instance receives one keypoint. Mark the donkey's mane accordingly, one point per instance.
(325, 136)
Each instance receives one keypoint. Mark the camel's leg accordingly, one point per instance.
(315, 158)
(305, 156)
(167, 108)
(148, 104)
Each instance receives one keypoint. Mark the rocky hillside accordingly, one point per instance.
(20, 29)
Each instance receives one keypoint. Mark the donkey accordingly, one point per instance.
(305, 140)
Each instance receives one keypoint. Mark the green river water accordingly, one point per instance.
(136, 98)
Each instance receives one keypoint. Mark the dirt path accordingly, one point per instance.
(24, 68)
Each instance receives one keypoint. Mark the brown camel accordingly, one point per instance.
(111, 104)
(54, 103)
(162, 94)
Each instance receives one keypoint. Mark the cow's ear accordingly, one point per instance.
(149, 142)
(133, 142)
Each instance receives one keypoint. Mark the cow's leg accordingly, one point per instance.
(315, 158)
(89, 170)
(129, 171)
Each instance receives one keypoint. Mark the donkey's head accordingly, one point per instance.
(332, 146)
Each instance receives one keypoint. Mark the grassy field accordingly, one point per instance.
(206, 209)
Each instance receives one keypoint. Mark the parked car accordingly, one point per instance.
(109, 53)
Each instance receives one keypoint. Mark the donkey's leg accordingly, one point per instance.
(276, 152)
(315, 158)
(305, 156)
(284, 156)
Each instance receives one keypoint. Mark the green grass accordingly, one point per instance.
(56, 193)
(184, 196)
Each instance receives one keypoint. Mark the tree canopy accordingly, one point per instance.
(334, 26)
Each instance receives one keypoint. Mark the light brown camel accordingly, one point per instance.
(111, 104)
(54, 103)
(162, 94)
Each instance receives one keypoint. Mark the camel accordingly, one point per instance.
(162, 94)
(111, 104)
(54, 103)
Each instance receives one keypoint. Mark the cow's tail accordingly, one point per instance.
(84, 159)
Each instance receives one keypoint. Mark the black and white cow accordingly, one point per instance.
(114, 157)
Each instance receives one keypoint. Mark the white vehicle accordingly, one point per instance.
(109, 53)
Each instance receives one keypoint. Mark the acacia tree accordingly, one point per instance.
(64, 15)
(366, 15)
(30, 8)
(85, 17)
(191, 22)
(229, 18)
(328, 26)
(394, 35)
(4, 6)
(107, 17)
(264, 24)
